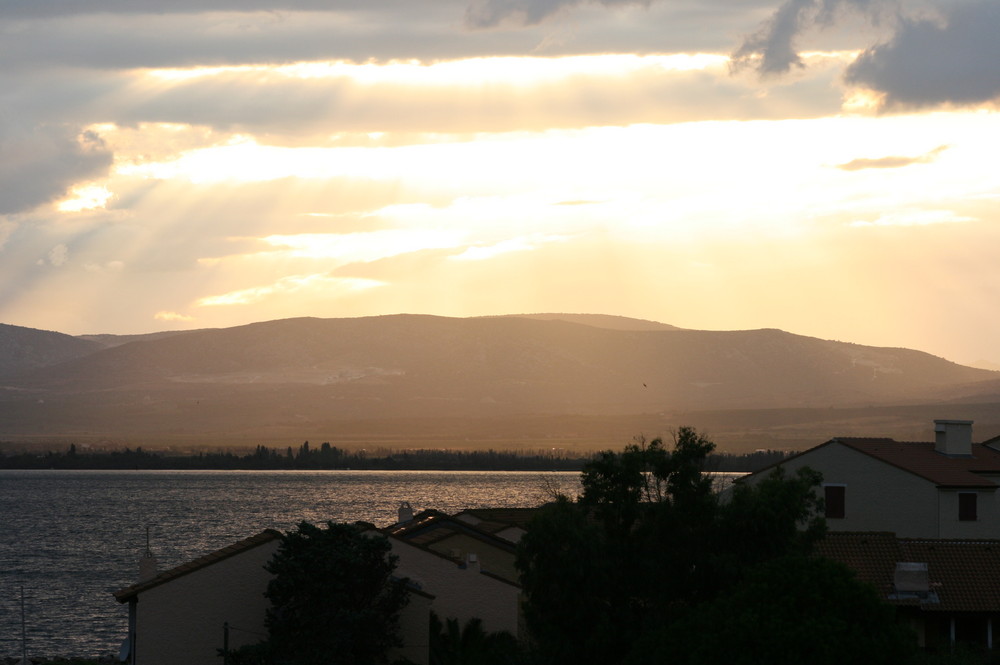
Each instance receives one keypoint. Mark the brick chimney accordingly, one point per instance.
(953, 437)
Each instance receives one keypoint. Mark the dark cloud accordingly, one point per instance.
(773, 48)
(891, 162)
(100, 34)
(41, 162)
(950, 59)
(489, 13)
(955, 61)
(49, 8)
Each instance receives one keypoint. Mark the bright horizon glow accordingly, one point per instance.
(606, 158)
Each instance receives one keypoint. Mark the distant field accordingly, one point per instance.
(735, 431)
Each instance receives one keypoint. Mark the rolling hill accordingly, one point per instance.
(441, 378)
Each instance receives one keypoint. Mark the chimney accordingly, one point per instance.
(472, 562)
(953, 437)
(405, 513)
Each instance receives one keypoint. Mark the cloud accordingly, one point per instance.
(7, 229)
(489, 13)
(891, 162)
(522, 244)
(953, 61)
(290, 285)
(345, 104)
(772, 48)
(916, 218)
(948, 58)
(58, 255)
(41, 162)
(172, 316)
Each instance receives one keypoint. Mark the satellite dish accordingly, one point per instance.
(126, 649)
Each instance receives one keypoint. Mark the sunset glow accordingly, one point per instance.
(606, 158)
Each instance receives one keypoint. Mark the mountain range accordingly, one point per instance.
(504, 381)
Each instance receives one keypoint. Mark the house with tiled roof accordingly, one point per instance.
(507, 523)
(946, 589)
(458, 539)
(946, 488)
(183, 611)
(186, 614)
(490, 591)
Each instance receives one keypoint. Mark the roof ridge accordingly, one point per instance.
(265, 536)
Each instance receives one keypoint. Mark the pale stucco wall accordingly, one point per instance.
(878, 497)
(182, 620)
(492, 559)
(459, 593)
(414, 629)
(986, 524)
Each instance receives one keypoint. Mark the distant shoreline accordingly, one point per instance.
(327, 457)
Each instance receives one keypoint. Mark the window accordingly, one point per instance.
(834, 497)
(967, 506)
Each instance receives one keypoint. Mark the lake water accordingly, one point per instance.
(71, 538)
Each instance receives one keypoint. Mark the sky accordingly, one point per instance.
(826, 167)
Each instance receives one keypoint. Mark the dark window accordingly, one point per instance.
(967, 506)
(833, 496)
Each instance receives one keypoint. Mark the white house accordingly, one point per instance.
(945, 488)
(186, 614)
(432, 545)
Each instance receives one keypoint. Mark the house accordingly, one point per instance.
(186, 614)
(507, 523)
(180, 616)
(946, 589)
(946, 488)
(437, 543)
(457, 538)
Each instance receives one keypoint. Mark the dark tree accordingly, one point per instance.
(786, 611)
(599, 571)
(649, 550)
(333, 597)
(471, 644)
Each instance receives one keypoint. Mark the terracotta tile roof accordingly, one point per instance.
(962, 573)
(432, 526)
(261, 538)
(920, 458)
(501, 518)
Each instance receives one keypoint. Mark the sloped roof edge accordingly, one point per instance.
(204, 561)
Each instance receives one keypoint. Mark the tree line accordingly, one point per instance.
(328, 457)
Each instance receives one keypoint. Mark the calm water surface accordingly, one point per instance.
(71, 538)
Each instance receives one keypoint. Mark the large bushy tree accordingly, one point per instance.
(649, 545)
(334, 600)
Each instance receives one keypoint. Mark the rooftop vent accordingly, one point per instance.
(953, 437)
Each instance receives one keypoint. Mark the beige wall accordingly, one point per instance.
(414, 629)
(986, 525)
(181, 621)
(881, 497)
(878, 497)
(459, 593)
(495, 560)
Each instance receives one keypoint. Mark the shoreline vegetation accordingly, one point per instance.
(327, 457)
